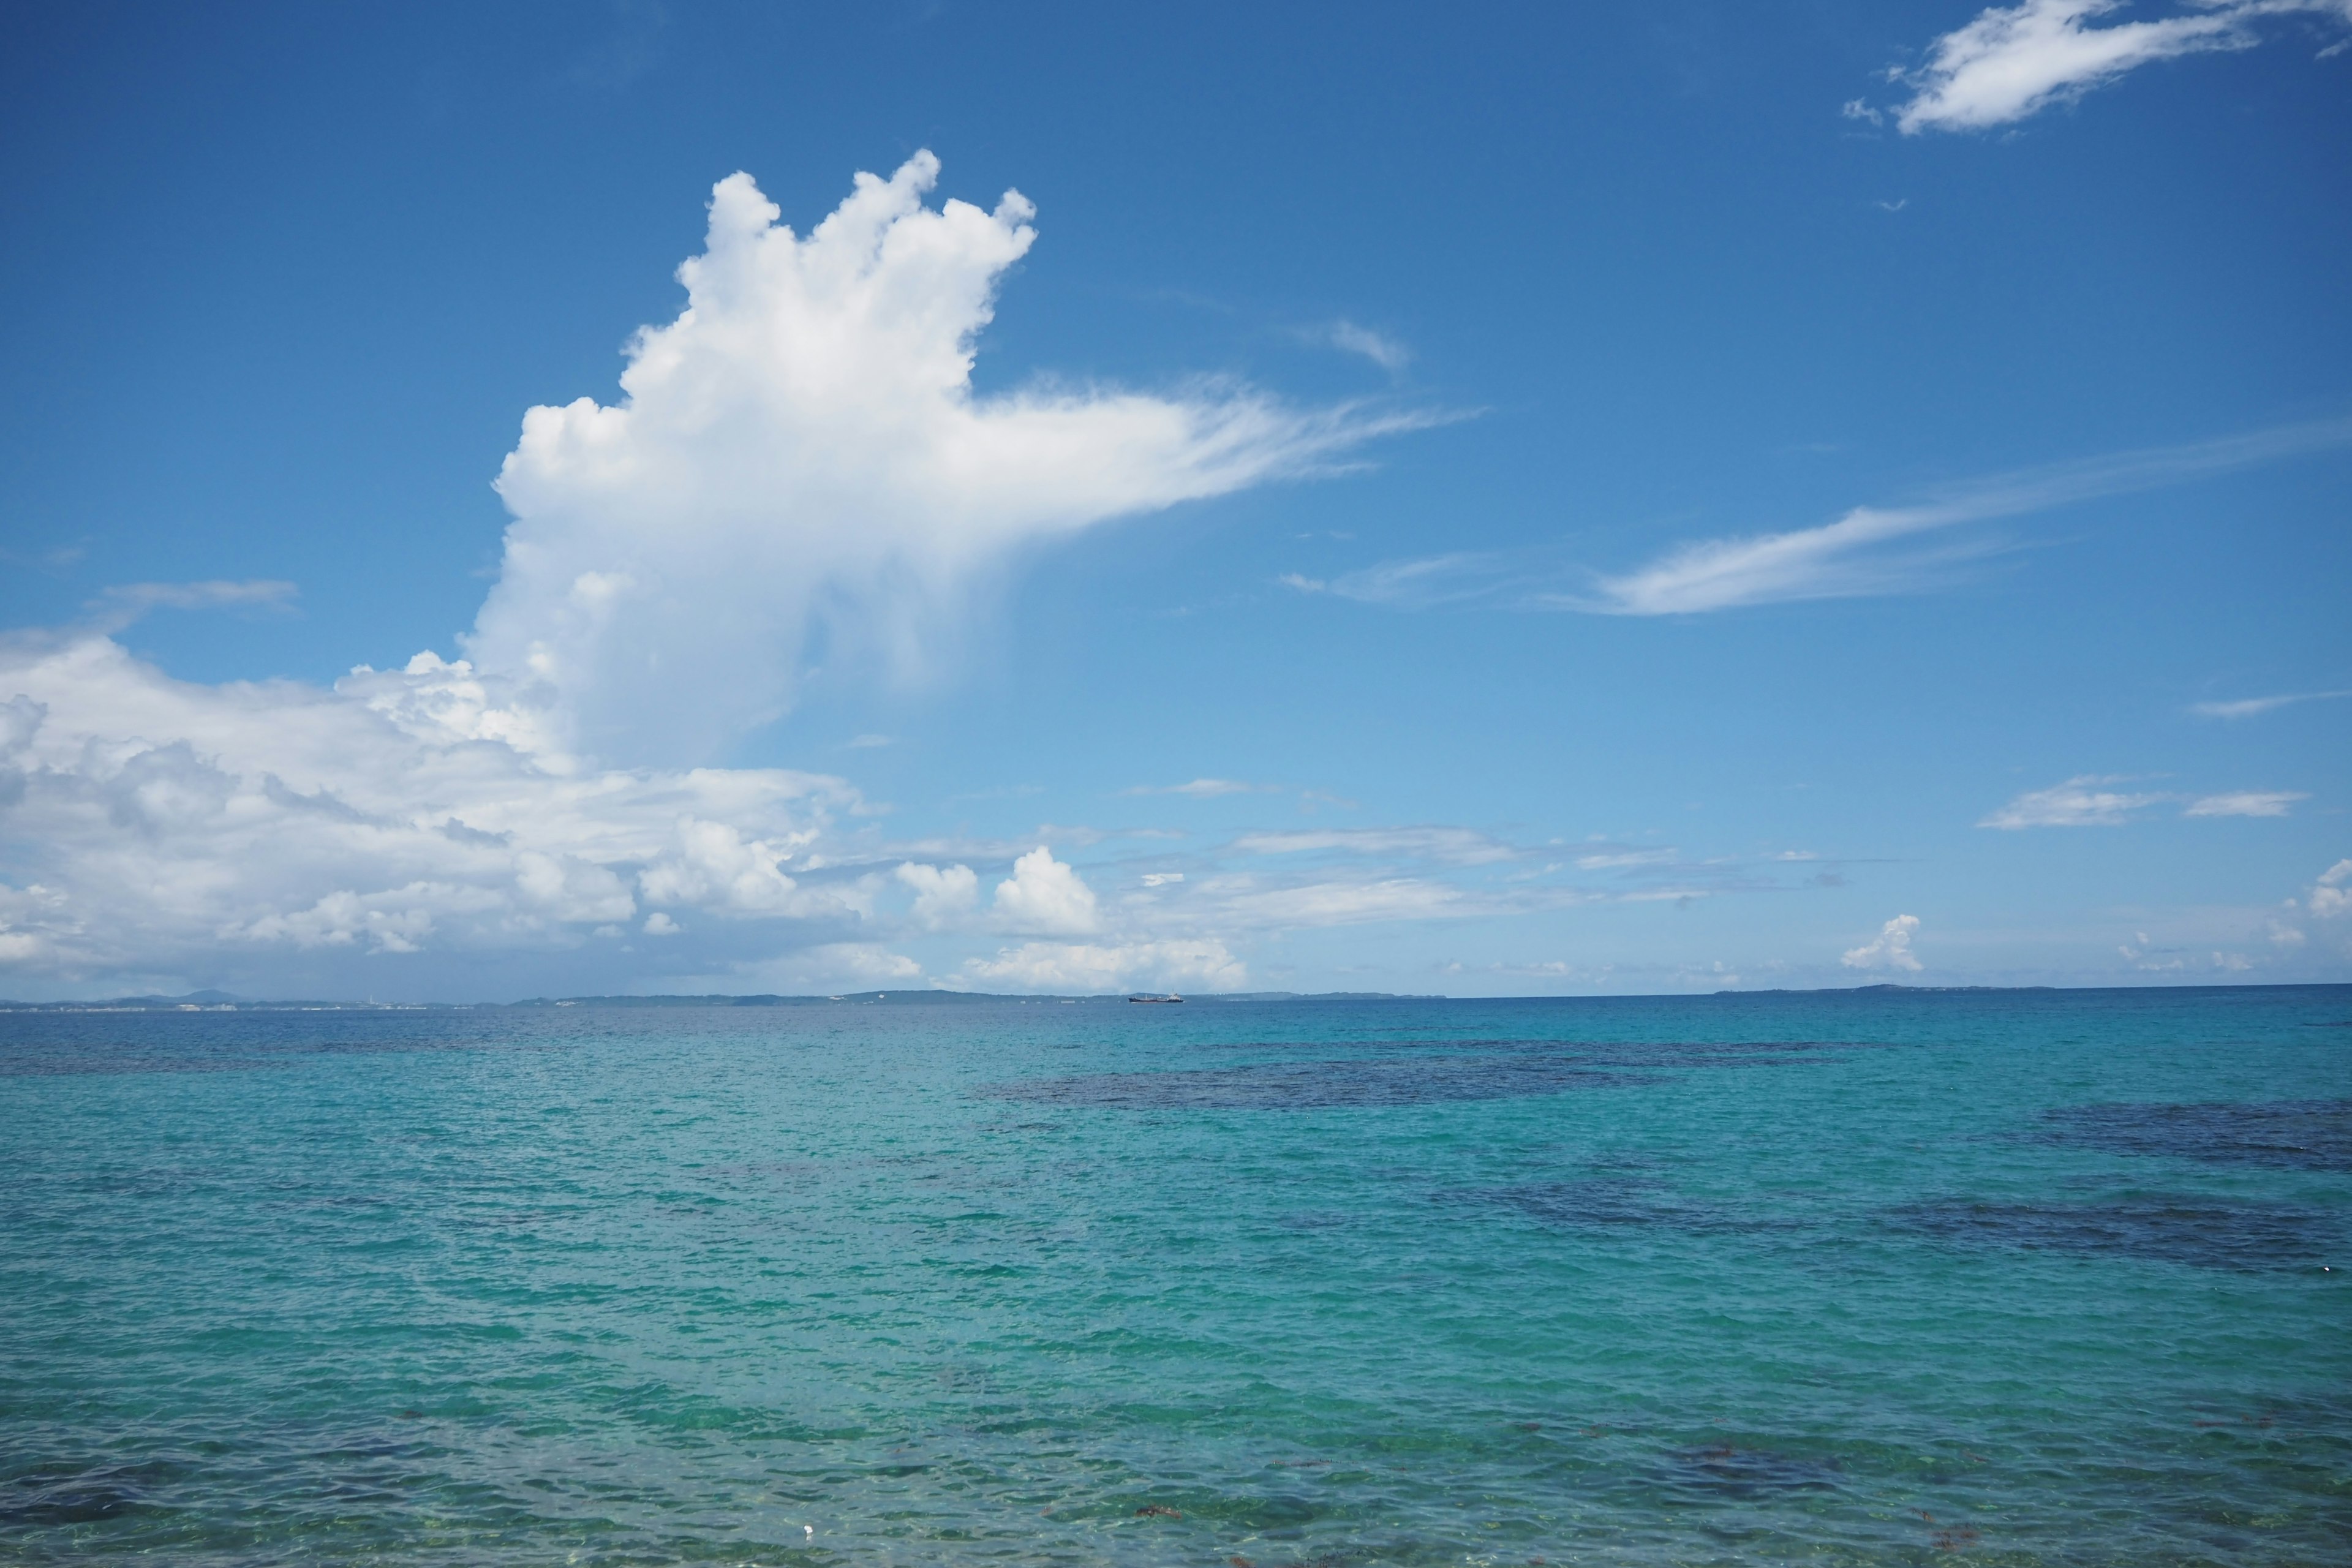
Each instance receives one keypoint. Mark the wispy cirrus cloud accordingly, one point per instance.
(2089, 800)
(1452, 846)
(118, 606)
(1625, 859)
(1872, 550)
(2244, 803)
(2080, 802)
(1850, 556)
(1418, 584)
(1348, 337)
(1205, 788)
(2011, 62)
(1842, 560)
(2247, 707)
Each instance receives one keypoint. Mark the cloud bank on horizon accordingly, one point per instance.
(2011, 62)
(799, 455)
(172, 828)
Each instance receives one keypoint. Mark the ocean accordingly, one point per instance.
(1884, 1277)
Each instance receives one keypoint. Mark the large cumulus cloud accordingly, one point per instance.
(801, 453)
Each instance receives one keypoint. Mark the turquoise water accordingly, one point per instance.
(2016, 1278)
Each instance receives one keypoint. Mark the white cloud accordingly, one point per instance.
(573, 891)
(715, 866)
(2332, 895)
(2247, 707)
(1837, 560)
(1848, 558)
(1869, 551)
(2244, 803)
(394, 920)
(2080, 802)
(1088, 968)
(801, 454)
(1378, 347)
(944, 895)
(170, 826)
(1045, 897)
(2014, 61)
(2085, 801)
(20, 717)
(1890, 949)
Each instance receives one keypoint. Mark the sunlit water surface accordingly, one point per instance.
(2004, 1277)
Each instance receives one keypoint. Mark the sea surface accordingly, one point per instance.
(1884, 1278)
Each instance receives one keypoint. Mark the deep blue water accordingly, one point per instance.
(2016, 1278)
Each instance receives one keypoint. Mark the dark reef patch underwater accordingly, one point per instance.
(2016, 1278)
(2207, 1233)
(2291, 1134)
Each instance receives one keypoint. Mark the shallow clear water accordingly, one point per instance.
(1888, 1277)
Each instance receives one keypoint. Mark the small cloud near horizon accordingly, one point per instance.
(1890, 949)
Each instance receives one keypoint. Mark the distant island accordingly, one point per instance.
(227, 1002)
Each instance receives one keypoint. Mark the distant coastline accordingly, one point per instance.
(224, 1002)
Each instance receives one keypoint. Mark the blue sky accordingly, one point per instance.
(1616, 498)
